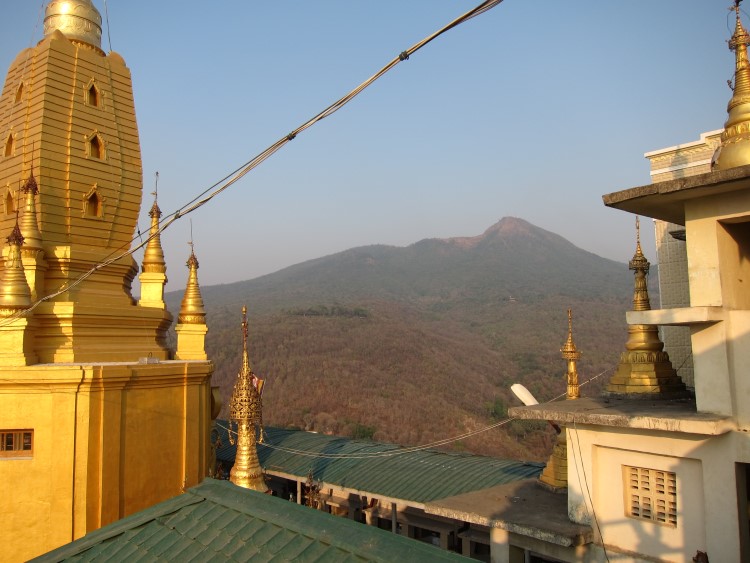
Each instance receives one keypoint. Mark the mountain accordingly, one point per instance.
(420, 343)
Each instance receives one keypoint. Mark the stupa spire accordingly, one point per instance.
(153, 275)
(153, 256)
(28, 222)
(191, 326)
(555, 474)
(735, 140)
(640, 266)
(192, 310)
(572, 355)
(644, 370)
(14, 289)
(246, 411)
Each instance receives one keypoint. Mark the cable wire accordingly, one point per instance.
(410, 449)
(230, 179)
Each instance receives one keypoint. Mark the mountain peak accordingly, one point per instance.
(507, 226)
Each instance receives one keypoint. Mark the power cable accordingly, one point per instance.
(411, 449)
(236, 175)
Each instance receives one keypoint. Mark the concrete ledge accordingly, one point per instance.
(666, 200)
(522, 507)
(648, 414)
(676, 317)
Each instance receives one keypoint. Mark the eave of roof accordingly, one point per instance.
(666, 200)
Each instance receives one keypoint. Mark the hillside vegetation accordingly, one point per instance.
(418, 344)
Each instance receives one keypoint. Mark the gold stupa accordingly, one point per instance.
(246, 411)
(555, 474)
(735, 140)
(645, 370)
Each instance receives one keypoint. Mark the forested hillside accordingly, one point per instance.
(413, 345)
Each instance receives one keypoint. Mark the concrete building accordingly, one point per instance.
(85, 371)
(660, 479)
(680, 161)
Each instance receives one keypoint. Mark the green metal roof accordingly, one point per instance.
(416, 476)
(218, 521)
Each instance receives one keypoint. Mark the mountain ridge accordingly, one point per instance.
(375, 340)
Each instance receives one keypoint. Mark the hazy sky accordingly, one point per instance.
(533, 110)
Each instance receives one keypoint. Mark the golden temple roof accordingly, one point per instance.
(78, 20)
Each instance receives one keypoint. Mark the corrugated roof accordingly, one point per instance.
(218, 521)
(416, 476)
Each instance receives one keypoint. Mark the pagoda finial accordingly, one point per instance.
(245, 355)
(246, 411)
(554, 477)
(153, 256)
(192, 310)
(572, 355)
(14, 289)
(28, 222)
(640, 265)
(735, 140)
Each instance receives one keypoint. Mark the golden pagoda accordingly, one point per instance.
(644, 370)
(32, 251)
(735, 139)
(246, 411)
(86, 374)
(191, 326)
(153, 276)
(555, 474)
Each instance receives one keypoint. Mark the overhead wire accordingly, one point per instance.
(409, 449)
(240, 172)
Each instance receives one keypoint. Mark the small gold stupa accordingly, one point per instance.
(735, 140)
(644, 370)
(555, 474)
(246, 411)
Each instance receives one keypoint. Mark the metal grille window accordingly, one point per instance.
(650, 494)
(16, 443)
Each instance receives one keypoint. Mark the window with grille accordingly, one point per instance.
(650, 494)
(16, 443)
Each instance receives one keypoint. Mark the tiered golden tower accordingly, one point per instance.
(111, 424)
(246, 411)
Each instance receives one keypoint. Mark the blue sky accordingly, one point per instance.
(533, 110)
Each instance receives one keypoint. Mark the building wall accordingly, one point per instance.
(667, 164)
(109, 440)
(117, 426)
(706, 489)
